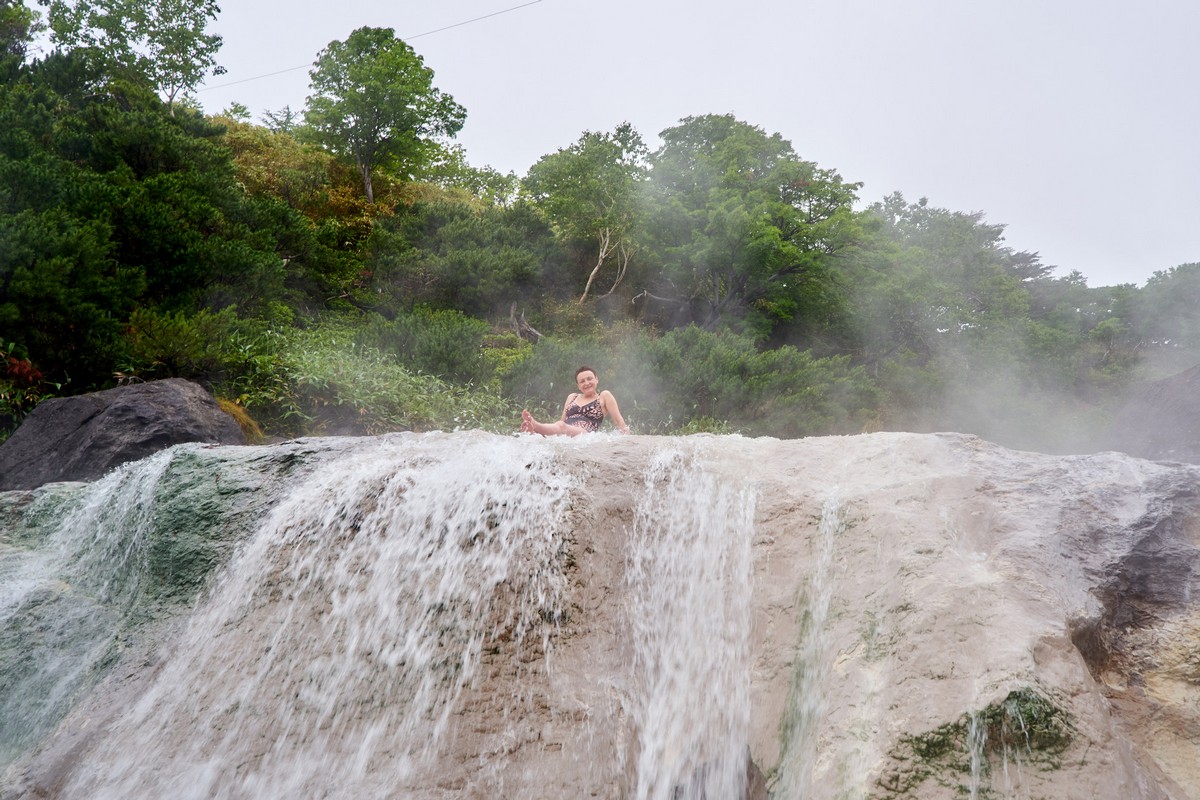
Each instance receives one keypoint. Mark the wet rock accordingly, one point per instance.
(892, 615)
(81, 438)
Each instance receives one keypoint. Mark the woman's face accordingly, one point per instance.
(586, 381)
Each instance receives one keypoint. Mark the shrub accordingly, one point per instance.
(22, 386)
(445, 343)
(332, 384)
(179, 345)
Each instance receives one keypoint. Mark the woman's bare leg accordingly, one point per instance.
(559, 428)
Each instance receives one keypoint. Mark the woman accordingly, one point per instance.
(582, 413)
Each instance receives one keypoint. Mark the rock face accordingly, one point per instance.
(1162, 419)
(471, 616)
(81, 438)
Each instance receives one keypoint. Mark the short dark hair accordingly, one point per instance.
(584, 368)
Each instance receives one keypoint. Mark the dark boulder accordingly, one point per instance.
(81, 438)
(1161, 420)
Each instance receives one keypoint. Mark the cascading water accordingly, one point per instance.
(325, 662)
(468, 615)
(689, 587)
(806, 703)
(977, 747)
(66, 589)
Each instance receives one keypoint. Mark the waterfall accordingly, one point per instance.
(465, 615)
(805, 707)
(327, 656)
(66, 588)
(327, 659)
(977, 748)
(689, 587)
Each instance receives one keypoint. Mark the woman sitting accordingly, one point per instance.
(582, 412)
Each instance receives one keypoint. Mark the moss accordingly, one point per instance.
(251, 430)
(1026, 726)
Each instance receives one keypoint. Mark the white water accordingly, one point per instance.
(977, 747)
(63, 601)
(327, 659)
(303, 672)
(689, 587)
(328, 656)
(806, 703)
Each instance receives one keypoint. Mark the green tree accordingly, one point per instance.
(162, 41)
(285, 120)
(373, 101)
(1166, 317)
(18, 26)
(312, 207)
(591, 193)
(448, 255)
(108, 202)
(966, 333)
(449, 169)
(745, 229)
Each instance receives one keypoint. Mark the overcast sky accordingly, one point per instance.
(1072, 122)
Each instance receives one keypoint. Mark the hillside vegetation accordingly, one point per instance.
(326, 275)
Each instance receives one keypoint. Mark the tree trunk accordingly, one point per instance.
(624, 254)
(364, 169)
(605, 249)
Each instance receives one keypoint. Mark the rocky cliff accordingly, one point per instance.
(464, 615)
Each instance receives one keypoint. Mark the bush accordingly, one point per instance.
(22, 386)
(179, 345)
(445, 343)
(332, 384)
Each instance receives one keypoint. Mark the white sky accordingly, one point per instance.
(1072, 122)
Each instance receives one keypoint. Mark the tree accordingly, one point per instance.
(448, 255)
(590, 192)
(285, 120)
(18, 25)
(373, 101)
(744, 228)
(107, 203)
(161, 41)
(448, 168)
(1166, 315)
(964, 333)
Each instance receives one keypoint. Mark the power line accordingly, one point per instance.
(468, 22)
(405, 38)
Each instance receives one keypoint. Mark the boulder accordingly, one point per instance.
(1161, 420)
(81, 438)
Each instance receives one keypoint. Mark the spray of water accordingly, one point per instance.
(327, 659)
(689, 590)
(806, 708)
(65, 596)
(977, 746)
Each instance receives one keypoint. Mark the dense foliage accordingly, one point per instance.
(347, 270)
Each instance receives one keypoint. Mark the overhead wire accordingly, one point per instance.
(405, 38)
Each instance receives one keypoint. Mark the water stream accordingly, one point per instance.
(327, 659)
(689, 592)
(806, 702)
(65, 591)
(383, 583)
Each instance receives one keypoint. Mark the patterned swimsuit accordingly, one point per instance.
(587, 417)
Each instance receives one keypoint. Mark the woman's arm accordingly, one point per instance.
(613, 412)
(563, 417)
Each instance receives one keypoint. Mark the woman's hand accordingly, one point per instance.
(613, 411)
